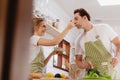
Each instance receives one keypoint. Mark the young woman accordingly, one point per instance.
(37, 61)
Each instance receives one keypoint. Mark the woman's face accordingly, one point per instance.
(41, 28)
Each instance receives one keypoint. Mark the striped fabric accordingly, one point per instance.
(38, 63)
(99, 56)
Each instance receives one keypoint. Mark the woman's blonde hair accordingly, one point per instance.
(37, 21)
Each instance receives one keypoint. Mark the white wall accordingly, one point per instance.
(53, 10)
(117, 29)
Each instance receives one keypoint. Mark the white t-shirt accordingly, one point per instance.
(105, 33)
(34, 49)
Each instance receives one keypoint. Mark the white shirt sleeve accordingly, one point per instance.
(34, 49)
(110, 32)
(34, 40)
(78, 50)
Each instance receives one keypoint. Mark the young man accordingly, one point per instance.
(94, 46)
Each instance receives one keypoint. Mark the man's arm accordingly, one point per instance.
(81, 64)
(116, 42)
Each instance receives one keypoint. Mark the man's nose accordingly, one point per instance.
(45, 28)
(74, 22)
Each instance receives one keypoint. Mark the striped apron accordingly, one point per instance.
(37, 64)
(99, 56)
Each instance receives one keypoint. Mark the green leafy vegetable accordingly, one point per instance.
(92, 72)
(95, 74)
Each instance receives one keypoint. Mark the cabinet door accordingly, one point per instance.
(61, 61)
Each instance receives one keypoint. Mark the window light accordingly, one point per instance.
(109, 2)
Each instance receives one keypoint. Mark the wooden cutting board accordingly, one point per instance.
(51, 79)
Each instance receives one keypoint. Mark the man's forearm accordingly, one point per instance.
(84, 65)
(79, 61)
(80, 64)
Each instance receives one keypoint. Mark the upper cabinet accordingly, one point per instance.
(52, 30)
(61, 61)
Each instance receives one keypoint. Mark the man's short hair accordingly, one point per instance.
(82, 12)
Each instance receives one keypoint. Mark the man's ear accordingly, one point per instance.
(84, 17)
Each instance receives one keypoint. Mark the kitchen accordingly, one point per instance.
(60, 10)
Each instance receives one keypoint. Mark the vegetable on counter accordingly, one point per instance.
(94, 74)
(57, 75)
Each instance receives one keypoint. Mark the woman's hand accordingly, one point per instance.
(70, 25)
(57, 50)
(114, 61)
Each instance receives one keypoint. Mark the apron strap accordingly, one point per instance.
(97, 36)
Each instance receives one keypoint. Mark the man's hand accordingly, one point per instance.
(87, 65)
(83, 64)
(114, 61)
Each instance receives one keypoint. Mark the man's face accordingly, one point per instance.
(78, 20)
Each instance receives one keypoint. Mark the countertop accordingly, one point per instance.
(51, 79)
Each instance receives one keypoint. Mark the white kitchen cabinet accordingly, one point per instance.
(52, 30)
